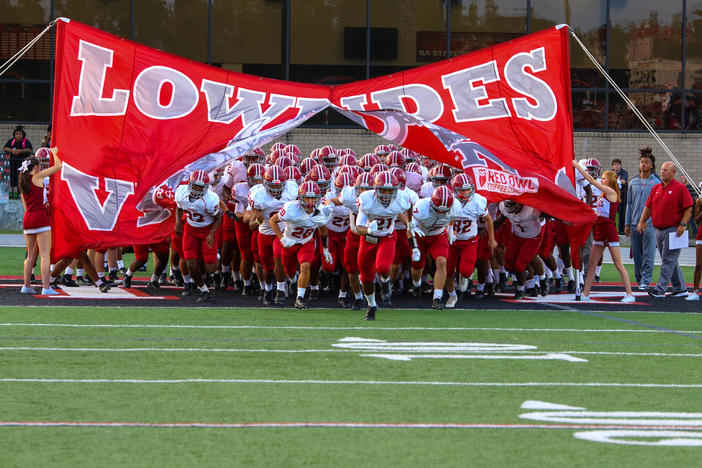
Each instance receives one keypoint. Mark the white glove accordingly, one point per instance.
(286, 242)
(327, 256)
(373, 228)
(416, 230)
(416, 254)
(451, 235)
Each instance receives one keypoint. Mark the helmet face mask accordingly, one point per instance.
(464, 187)
(309, 196)
(512, 206)
(593, 167)
(441, 200)
(385, 185)
(274, 181)
(197, 184)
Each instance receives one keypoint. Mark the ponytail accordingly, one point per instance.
(25, 176)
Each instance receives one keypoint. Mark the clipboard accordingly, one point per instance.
(675, 242)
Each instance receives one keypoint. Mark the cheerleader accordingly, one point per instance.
(36, 225)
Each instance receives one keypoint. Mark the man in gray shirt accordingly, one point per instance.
(643, 246)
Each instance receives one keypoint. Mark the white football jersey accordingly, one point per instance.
(427, 190)
(429, 221)
(525, 224)
(300, 225)
(413, 181)
(413, 198)
(340, 220)
(200, 212)
(465, 226)
(234, 173)
(260, 199)
(240, 196)
(492, 209)
(370, 209)
(348, 198)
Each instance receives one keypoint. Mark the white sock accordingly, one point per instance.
(280, 285)
(120, 264)
(203, 288)
(416, 284)
(371, 300)
(154, 278)
(358, 295)
(129, 272)
(342, 294)
(226, 269)
(301, 292)
(569, 272)
(237, 275)
(186, 278)
(548, 273)
(479, 287)
(559, 264)
(314, 287)
(268, 286)
(452, 294)
(520, 288)
(438, 294)
(598, 269)
(247, 282)
(80, 272)
(463, 284)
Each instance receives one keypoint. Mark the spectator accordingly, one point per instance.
(691, 226)
(643, 245)
(18, 147)
(669, 206)
(46, 141)
(622, 181)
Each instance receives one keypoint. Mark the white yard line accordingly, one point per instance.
(258, 327)
(352, 382)
(332, 350)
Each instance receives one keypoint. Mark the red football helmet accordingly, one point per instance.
(395, 159)
(274, 181)
(293, 173)
(198, 183)
(410, 156)
(399, 175)
(464, 187)
(284, 161)
(440, 175)
(270, 160)
(295, 158)
(367, 161)
(309, 195)
(294, 149)
(278, 146)
(321, 176)
(327, 156)
(413, 167)
(428, 162)
(252, 157)
(380, 167)
(307, 165)
(347, 151)
(348, 160)
(363, 182)
(381, 150)
(44, 156)
(385, 185)
(512, 206)
(442, 199)
(216, 175)
(162, 194)
(254, 174)
(277, 154)
(355, 171)
(594, 168)
(341, 181)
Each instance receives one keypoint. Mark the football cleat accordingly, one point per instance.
(300, 303)
(67, 280)
(357, 304)
(217, 280)
(153, 286)
(268, 297)
(162, 279)
(451, 302)
(437, 304)
(247, 291)
(187, 289)
(83, 281)
(204, 297)
(489, 292)
(127, 281)
(544, 290)
(280, 297)
(314, 294)
(558, 285)
(597, 278)
(519, 294)
(177, 278)
(531, 292)
(341, 302)
(370, 313)
(104, 287)
(479, 294)
(571, 286)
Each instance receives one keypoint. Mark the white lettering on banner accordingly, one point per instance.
(504, 182)
(147, 91)
(97, 216)
(89, 101)
(466, 94)
(428, 102)
(531, 86)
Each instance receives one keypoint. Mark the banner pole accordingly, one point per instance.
(634, 110)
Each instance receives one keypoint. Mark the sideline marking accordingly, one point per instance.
(640, 324)
(354, 382)
(282, 327)
(409, 357)
(244, 425)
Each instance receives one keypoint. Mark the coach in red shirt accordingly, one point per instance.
(669, 206)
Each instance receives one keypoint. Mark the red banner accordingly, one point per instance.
(128, 118)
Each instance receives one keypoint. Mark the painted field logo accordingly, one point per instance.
(622, 427)
(448, 350)
(504, 182)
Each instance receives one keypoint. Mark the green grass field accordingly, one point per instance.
(249, 368)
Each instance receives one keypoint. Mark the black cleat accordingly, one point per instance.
(67, 280)
(208, 280)
(217, 281)
(122, 271)
(300, 303)
(437, 304)
(571, 286)
(531, 292)
(370, 313)
(268, 298)
(143, 267)
(153, 286)
(238, 285)
(357, 304)
(416, 291)
(177, 278)
(104, 287)
(187, 289)
(479, 294)
(127, 281)
(558, 285)
(83, 281)
(502, 284)
(112, 275)
(314, 294)
(162, 280)
(204, 297)
(247, 291)
(55, 283)
(341, 302)
(519, 294)
(597, 278)
(227, 280)
(489, 292)
(280, 297)
(544, 290)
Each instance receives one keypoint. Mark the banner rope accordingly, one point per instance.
(636, 111)
(11, 61)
